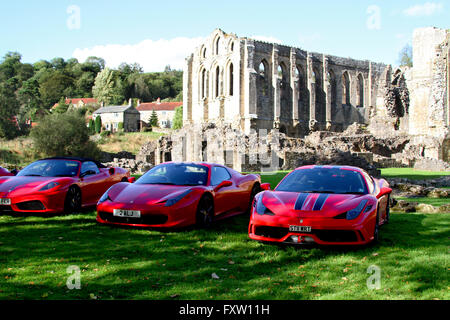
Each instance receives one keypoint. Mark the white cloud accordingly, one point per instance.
(426, 9)
(266, 39)
(151, 55)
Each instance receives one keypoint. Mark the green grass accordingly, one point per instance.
(433, 201)
(411, 173)
(121, 263)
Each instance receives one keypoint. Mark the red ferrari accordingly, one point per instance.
(326, 205)
(178, 195)
(58, 184)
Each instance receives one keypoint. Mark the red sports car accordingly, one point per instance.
(58, 184)
(178, 195)
(327, 205)
(5, 173)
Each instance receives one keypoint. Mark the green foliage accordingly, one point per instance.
(105, 134)
(63, 135)
(154, 119)
(406, 58)
(98, 124)
(91, 127)
(120, 126)
(108, 87)
(178, 118)
(8, 106)
(62, 106)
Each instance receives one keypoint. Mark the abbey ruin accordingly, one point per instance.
(243, 96)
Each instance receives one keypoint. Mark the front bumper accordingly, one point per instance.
(45, 203)
(324, 231)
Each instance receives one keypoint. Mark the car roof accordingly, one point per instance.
(331, 167)
(199, 163)
(76, 159)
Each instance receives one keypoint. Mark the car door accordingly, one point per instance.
(223, 200)
(92, 182)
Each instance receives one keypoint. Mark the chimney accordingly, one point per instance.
(158, 101)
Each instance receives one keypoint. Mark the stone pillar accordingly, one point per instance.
(276, 88)
(294, 86)
(312, 92)
(187, 91)
(327, 90)
(250, 76)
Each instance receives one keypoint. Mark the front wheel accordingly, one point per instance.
(205, 212)
(255, 190)
(72, 203)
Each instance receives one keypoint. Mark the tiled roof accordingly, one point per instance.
(161, 106)
(115, 109)
(76, 100)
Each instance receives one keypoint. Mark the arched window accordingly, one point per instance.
(360, 91)
(204, 53)
(217, 81)
(263, 78)
(345, 88)
(232, 46)
(333, 88)
(231, 79)
(262, 69)
(217, 45)
(203, 84)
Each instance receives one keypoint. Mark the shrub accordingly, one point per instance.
(105, 134)
(178, 118)
(64, 135)
(98, 124)
(120, 126)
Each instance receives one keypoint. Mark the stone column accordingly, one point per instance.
(276, 87)
(327, 90)
(312, 92)
(250, 107)
(187, 91)
(294, 87)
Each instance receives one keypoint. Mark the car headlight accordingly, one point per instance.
(354, 213)
(49, 186)
(104, 197)
(261, 209)
(173, 201)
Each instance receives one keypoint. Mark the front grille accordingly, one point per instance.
(150, 219)
(271, 232)
(34, 205)
(336, 235)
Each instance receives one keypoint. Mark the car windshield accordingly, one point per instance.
(324, 180)
(176, 174)
(51, 168)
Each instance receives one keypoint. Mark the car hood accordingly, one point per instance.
(144, 193)
(19, 185)
(310, 205)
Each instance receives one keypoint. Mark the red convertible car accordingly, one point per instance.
(326, 205)
(58, 184)
(178, 195)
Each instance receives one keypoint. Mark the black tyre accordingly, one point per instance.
(72, 203)
(124, 180)
(205, 212)
(255, 190)
(376, 231)
(388, 210)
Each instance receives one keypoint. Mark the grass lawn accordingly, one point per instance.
(118, 263)
(411, 173)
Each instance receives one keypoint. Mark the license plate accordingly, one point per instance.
(299, 229)
(5, 202)
(127, 213)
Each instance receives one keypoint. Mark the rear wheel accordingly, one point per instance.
(205, 212)
(376, 231)
(388, 210)
(72, 203)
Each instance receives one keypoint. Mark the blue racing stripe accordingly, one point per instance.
(300, 201)
(320, 202)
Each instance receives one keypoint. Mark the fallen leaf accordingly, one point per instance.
(214, 276)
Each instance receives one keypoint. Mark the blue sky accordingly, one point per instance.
(157, 33)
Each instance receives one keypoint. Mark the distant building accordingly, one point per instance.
(113, 115)
(164, 110)
(78, 102)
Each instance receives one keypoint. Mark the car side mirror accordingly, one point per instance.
(224, 184)
(265, 186)
(131, 179)
(111, 171)
(14, 172)
(384, 191)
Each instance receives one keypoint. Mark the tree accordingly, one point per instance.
(53, 86)
(405, 57)
(108, 87)
(8, 107)
(62, 106)
(98, 124)
(64, 135)
(154, 119)
(178, 118)
(91, 127)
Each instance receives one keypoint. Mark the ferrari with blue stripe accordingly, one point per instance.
(325, 205)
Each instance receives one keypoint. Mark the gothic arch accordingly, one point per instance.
(346, 89)
(361, 90)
